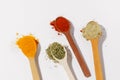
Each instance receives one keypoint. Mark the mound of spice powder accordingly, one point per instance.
(28, 45)
(92, 30)
(61, 24)
(57, 50)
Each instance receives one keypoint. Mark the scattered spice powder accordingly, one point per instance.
(57, 50)
(61, 24)
(17, 33)
(28, 45)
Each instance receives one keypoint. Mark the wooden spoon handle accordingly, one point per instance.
(34, 69)
(68, 70)
(97, 62)
(78, 55)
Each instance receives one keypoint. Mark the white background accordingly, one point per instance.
(33, 16)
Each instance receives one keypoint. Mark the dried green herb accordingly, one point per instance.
(57, 50)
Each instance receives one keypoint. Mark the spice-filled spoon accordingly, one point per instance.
(29, 45)
(93, 32)
(58, 53)
(62, 25)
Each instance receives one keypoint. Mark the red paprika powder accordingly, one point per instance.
(61, 24)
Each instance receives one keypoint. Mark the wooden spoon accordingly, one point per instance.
(93, 32)
(96, 56)
(29, 46)
(64, 63)
(63, 25)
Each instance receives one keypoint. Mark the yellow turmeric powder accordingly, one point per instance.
(28, 45)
